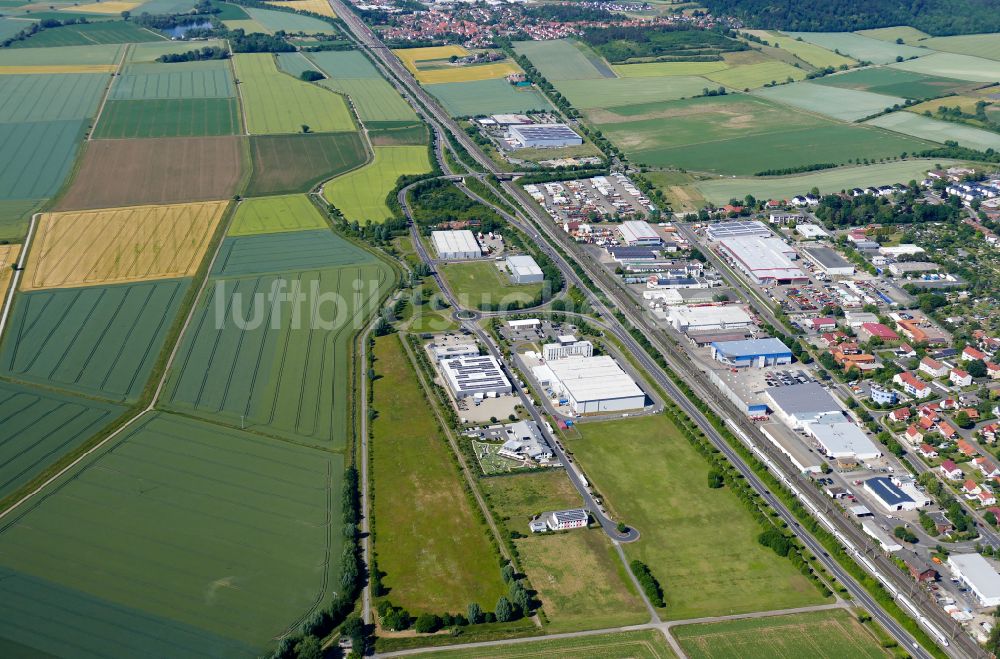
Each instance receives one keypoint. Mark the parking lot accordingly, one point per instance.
(591, 199)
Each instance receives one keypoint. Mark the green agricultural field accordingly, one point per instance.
(482, 283)
(397, 133)
(374, 100)
(646, 644)
(294, 63)
(11, 26)
(167, 6)
(950, 65)
(39, 427)
(909, 35)
(297, 163)
(818, 635)
(14, 217)
(894, 82)
(275, 215)
(275, 102)
(558, 60)
(345, 65)
(187, 80)
(194, 117)
(104, 32)
(179, 538)
(612, 92)
(740, 135)
(751, 76)
(926, 128)
(69, 55)
(976, 45)
(288, 251)
(834, 102)
(659, 69)
(100, 341)
(805, 51)
(361, 195)
(581, 581)
(50, 97)
(653, 479)
(720, 191)
(36, 157)
(480, 97)
(290, 22)
(248, 26)
(859, 47)
(432, 562)
(277, 367)
(148, 52)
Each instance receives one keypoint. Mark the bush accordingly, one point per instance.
(504, 610)
(776, 540)
(311, 75)
(427, 623)
(475, 614)
(648, 582)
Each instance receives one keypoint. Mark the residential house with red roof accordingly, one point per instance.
(960, 378)
(932, 367)
(951, 471)
(964, 447)
(912, 385)
(927, 451)
(869, 331)
(970, 354)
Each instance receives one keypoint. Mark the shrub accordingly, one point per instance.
(648, 582)
(427, 623)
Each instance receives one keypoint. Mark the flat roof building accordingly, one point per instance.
(829, 261)
(710, 317)
(456, 244)
(525, 323)
(888, 495)
(595, 384)
(735, 228)
(525, 441)
(567, 346)
(889, 544)
(475, 375)
(810, 231)
(979, 575)
(802, 404)
(752, 352)
(843, 441)
(450, 351)
(764, 260)
(524, 270)
(786, 441)
(636, 233)
(544, 135)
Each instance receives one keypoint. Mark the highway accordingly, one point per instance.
(533, 222)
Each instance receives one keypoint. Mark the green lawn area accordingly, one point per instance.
(700, 543)
(818, 635)
(482, 283)
(580, 579)
(361, 194)
(275, 102)
(275, 215)
(429, 541)
(644, 644)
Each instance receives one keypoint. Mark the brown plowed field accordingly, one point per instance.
(138, 172)
(117, 245)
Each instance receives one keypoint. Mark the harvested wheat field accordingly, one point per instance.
(139, 172)
(321, 7)
(8, 256)
(107, 7)
(118, 245)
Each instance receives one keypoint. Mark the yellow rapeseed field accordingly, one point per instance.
(321, 7)
(115, 245)
(56, 68)
(8, 256)
(109, 7)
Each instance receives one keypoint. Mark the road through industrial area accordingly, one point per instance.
(533, 222)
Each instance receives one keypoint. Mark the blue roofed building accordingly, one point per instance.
(889, 495)
(752, 352)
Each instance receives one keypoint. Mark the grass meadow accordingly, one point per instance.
(263, 215)
(751, 76)
(805, 51)
(909, 35)
(559, 60)
(361, 194)
(834, 102)
(612, 92)
(976, 45)
(820, 635)
(936, 130)
(654, 480)
(497, 96)
(894, 82)
(646, 644)
(951, 65)
(482, 283)
(429, 541)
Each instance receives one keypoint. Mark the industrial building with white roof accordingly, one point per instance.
(475, 376)
(524, 270)
(636, 233)
(979, 575)
(764, 260)
(591, 384)
(456, 244)
(708, 317)
(544, 135)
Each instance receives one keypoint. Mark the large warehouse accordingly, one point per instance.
(829, 261)
(456, 244)
(471, 375)
(979, 575)
(544, 135)
(734, 228)
(636, 233)
(764, 260)
(592, 384)
(801, 404)
(524, 270)
(843, 441)
(714, 317)
(752, 352)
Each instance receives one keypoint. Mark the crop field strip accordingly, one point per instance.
(297, 163)
(926, 128)
(894, 82)
(909, 35)
(820, 635)
(66, 56)
(219, 541)
(36, 157)
(835, 102)
(265, 215)
(50, 69)
(950, 65)
(8, 257)
(181, 80)
(292, 23)
(243, 255)
(807, 52)
(751, 76)
(101, 341)
(433, 562)
(646, 471)
(149, 52)
(97, 33)
(352, 74)
(120, 244)
(645, 644)
(860, 47)
(41, 426)
(287, 378)
(976, 45)
(662, 69)
(194, 117)
(361, 194)
(275, 102)
(497, 96)
(408, 134)
(106, 7)
(613, 92)
(430, 65)
(117, 173)
(50, 97)
(559, 60)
